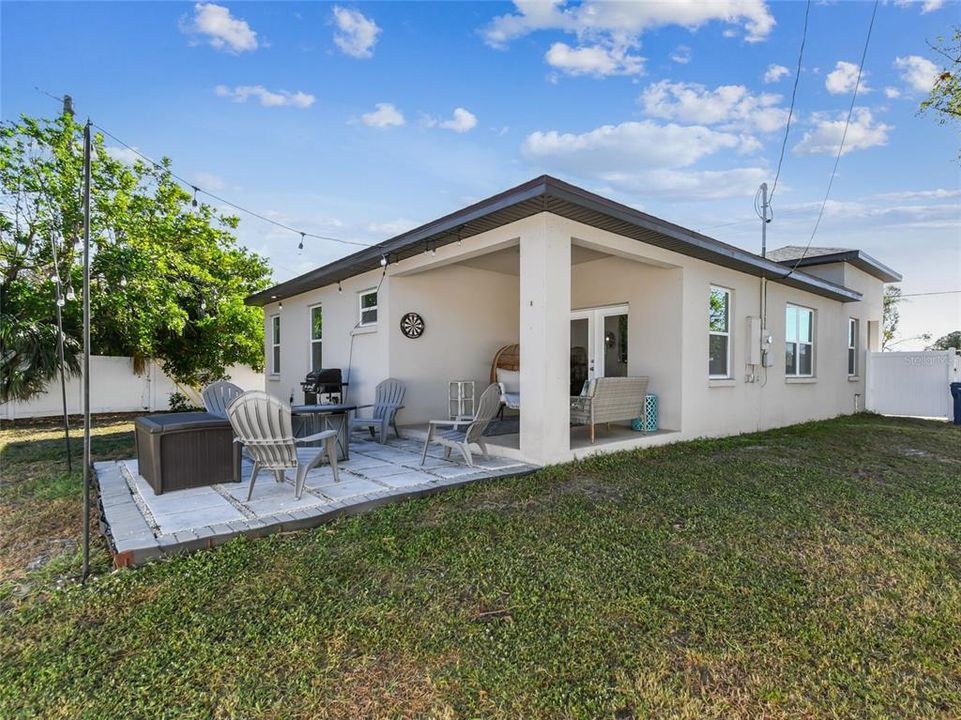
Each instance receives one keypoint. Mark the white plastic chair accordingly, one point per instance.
(461, 440)
(218, 395)
(262, 424)
(388, 399)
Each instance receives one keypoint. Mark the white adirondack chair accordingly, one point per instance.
(218, 395)
(262, 424)
(457, 439)
(388, 399)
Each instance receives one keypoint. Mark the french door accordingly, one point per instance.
(599, 344)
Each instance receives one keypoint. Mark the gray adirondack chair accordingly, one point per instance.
(388, 399)
(218, 395)
(456, 438)
(262, 424)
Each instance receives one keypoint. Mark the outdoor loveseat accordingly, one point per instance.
(610, 399)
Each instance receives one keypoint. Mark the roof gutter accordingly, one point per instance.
(552, 189)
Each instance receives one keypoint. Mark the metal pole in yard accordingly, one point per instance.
(63, 380)
(86, 352)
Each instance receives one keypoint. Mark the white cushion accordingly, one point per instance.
(510, 379)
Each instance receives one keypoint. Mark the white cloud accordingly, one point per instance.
(691, 184)
(267, 98)
(937, 194)
(208, 181)
(863, 133)
(843, 78)
(926, 5)
(391, 227)
(624, 20)
(356, 33)
(681, 55)
(460, 121)
(221, 29)
(383, 116)
(775, 72)
(918, 72)
(594, 60)
(123, 154)
(733, 106)
(891, 92)
(645, 157)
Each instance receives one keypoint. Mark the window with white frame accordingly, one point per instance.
(316, 337)
(852, 346)
(368, 307)
(275, 345)
(719, 329)
(799, 341)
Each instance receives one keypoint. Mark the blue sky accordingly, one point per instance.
(360, 120)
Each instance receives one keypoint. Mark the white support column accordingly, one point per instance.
(545, 329)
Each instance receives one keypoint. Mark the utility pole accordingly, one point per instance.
(86, 352)
(764, 220)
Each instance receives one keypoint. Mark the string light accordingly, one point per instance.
(225, 201)
(383, 261)
(340, 290)
(123, 281)
(300, 245)
(71, 295)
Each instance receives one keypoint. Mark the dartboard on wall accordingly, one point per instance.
(412, 325)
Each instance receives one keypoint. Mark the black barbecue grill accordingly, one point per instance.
(326, 381)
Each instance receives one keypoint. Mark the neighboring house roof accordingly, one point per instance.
(801, 256)
(548, 194)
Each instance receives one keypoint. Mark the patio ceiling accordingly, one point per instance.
(548, 194)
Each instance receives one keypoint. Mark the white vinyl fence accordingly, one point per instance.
(912, 383)
(115, 387)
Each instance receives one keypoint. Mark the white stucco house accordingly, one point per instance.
(732, 342)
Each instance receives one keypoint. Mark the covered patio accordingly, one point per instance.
(579, 304)
(140, 525)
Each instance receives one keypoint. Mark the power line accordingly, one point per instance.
(790, 115)
(223, 200)
(844, 134)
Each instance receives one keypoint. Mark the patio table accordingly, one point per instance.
(328, 417)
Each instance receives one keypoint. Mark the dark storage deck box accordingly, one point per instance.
(185, 450)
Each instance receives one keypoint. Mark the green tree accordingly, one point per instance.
(945, 98)
(951, 341)
(169, 278)
(890, 315)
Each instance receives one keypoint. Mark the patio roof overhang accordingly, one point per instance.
(548, 194)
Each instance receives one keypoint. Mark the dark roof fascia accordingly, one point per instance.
(547, 187)
(358, 262)
(857, 258)
(726, 255)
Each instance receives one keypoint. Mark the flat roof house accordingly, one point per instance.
(566, 273)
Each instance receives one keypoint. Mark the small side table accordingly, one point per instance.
(328, 417)
(460, 395)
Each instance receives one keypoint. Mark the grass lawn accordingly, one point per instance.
(810, 571)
